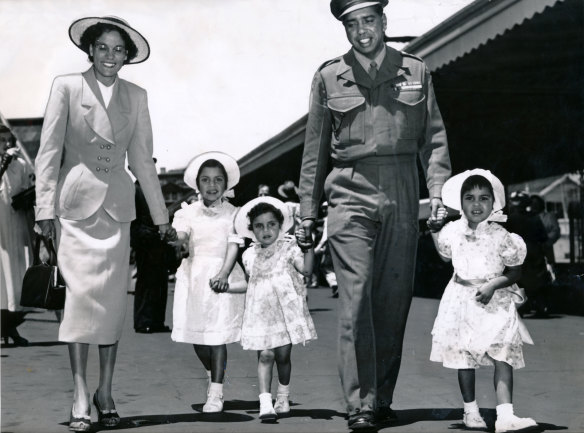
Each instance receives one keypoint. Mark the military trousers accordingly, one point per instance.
(373, 235)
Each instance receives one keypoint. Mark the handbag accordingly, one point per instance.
(25, 199)
(43, 286)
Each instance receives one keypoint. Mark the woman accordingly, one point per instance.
(15, 239)
(85, 197)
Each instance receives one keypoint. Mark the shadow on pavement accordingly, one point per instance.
(152, 420)
(411, 416)
(33, 344)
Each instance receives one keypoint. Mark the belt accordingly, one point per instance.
(377, 160)
(469, 283)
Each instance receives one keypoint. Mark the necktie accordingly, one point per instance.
(373, 70)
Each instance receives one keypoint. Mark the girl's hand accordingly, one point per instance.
(219, 283)
(304, 242)
(436, 223)
(485, 293)
(167, 232)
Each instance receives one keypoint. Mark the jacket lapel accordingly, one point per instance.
(391, 67)
(119, 107)
(351, 70)
(93, 106)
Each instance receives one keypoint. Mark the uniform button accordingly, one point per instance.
(109, 146)
(99, 158)
(102, 146)
(107, 160)
(106, 170)
(97, 169)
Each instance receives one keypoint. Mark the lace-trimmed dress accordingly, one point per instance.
(467, 333)
(201, 316)
(276, 312)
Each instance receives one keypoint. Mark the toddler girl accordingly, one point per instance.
(477, 322)
(208, 304)
(276, 313)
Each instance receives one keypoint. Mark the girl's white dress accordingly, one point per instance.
(276, 312)
(200, 315)
(467, 333)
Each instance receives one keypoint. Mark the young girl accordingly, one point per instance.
(477, 322)
(276, 313)
(208, 304)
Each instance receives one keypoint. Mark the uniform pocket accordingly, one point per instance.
(348, 117)
(411, 110)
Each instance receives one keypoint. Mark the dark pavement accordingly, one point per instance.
(159, 385)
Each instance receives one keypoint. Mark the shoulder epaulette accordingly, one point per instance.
(329, 62)
(411, 55)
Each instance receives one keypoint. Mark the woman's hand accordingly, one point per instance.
(219, 283)
(48, 230)
(485, 293)
(167, 232)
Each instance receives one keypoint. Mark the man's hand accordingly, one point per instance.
(437, 223)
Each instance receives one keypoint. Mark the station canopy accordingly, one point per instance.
(509, 79)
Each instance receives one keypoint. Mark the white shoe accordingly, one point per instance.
(214, 403)
(282, 404)
(474, 420)
(267, 411)
(512, 422)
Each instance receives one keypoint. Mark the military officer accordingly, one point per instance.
(372, 111)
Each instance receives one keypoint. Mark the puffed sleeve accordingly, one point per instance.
(512, 250)
(293, 252)
(233, 236)
(181, 222)
(445, 240)
(246, 259)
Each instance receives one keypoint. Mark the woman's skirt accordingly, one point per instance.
(94, 258)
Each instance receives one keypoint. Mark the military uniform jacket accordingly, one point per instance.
(352, 117)
(81, 161)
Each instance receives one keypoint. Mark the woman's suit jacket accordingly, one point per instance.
(80, 165)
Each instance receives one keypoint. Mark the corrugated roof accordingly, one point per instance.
(472, 27)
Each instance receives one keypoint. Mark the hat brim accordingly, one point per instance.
(242, 222)
(227, 161)
(79, 27)
(452, 187)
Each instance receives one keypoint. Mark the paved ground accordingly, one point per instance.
(160, 386)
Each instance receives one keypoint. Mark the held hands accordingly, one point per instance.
(167, 232)
(304, 238)
(48, 230)
(437, 217)
(485, 293)
(219, 283)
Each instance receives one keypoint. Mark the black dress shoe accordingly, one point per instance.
(144, 330)
(362, 421)
(161, 328)
(385, 415)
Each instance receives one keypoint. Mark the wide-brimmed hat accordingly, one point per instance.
(340, 8)
(451, 189)
(288, 189)
(79, 26)
(227, 161)
(242, 222)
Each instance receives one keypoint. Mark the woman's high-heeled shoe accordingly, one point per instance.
(80, 423)
(16, 339)
(107, 418)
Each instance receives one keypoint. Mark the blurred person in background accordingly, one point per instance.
(15, 236)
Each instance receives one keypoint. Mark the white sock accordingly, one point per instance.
(208, 374)
(283, 389)
(266, 397)
(216, 388)
(504, 410)
(471, 407)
